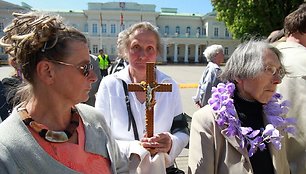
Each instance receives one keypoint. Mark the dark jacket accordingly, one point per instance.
(10, 88)
(4, 108)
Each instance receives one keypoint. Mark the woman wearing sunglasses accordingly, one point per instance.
(50, 131)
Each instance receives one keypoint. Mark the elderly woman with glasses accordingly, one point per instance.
(49, 131)
(241, 130)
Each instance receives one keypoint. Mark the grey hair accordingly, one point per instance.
(247, 60)
(211, 51)
(125, 37)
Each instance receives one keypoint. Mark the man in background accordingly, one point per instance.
(95, 86)
(104, 63)
(293, 87)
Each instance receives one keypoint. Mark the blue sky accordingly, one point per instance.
(183, 6)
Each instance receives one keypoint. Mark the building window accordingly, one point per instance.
(177, 30)
(94, 29)
(226, 32)
(167, 29)
(189, 51)
(113, 28)
(94, 49)
(104, 28)
(216, 32)
(86, 28)
(75, 26)
(199, 30)
(188, 30)
(168, 50)
(204, 31)
(225, 50)
(178, 50)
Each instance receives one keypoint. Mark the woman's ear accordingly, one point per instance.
(45, 71)
(238, 81)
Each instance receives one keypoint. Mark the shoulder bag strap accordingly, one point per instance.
(131, 117)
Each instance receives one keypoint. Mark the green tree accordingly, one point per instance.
(253, 17)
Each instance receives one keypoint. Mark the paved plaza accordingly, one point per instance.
(186, 75)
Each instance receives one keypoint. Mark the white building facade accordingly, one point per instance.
(184, 36)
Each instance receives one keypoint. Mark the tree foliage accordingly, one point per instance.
(253, 17)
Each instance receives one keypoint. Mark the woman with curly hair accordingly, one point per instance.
(49, 131)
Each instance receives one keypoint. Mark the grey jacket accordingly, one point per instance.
(20, 153)
(209, 79)
(212, 152)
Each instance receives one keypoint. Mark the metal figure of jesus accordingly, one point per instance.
(150, 86)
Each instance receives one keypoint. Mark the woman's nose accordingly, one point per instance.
(92, 76)
(277, 79)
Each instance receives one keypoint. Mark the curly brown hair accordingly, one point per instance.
(34, 36)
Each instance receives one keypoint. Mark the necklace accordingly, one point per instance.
(50, 135)
(223, 105)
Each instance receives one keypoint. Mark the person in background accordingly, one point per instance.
(294, 84)
(242, 130)
(49, 131)
(276, 37)
(4, 108)
(104, 63)
(210, 77)
(95, 86)
(11, 85)
(140, 44)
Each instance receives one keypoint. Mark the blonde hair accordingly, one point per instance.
(34, 36)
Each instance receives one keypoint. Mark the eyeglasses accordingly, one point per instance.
(84, 69)
(273, 70)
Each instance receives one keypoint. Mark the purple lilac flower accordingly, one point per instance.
(269, 130)
(291, 130)
(276, 143)
(253, 133)
(230, 131)
(230, 88)
(246, 130)
(275, 120)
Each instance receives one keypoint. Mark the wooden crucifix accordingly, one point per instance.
(150, 86)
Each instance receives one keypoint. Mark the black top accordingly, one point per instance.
(250, 114)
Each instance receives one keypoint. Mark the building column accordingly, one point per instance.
(196, 54)
(186, 54)
(165, 53)
(175, 53)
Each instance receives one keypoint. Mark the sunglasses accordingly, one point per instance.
(84, 69)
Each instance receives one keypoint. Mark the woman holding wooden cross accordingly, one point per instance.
(141, 44)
